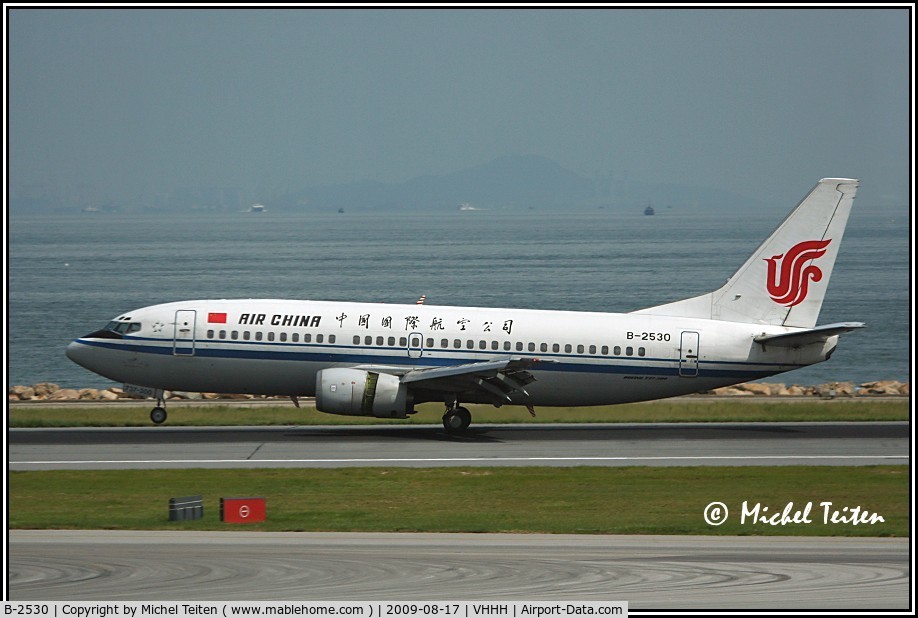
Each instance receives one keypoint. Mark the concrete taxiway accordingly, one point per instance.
(650, 572)
(676, 444)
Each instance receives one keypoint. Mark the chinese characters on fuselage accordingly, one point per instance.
(366, 320)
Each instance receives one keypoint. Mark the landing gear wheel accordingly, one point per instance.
(457, 420)
(158, 415)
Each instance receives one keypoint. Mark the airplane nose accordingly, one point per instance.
(77, 352)
(89, 355)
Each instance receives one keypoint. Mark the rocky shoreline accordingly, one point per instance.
(47, 391)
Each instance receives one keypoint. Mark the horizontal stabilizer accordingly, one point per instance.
(811, 335)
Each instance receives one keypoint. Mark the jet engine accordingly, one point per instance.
(353, 392)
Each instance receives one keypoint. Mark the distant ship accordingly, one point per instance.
(649, 210)
(257, 208)
(466, 206)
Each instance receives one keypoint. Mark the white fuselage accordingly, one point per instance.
(276, 347)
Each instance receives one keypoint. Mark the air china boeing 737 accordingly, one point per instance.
(362, 359)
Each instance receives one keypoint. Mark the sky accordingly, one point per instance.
(124, 104)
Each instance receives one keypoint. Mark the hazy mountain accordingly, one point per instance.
(508, 182)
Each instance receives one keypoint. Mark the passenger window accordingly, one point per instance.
(245, 335)
(519, 346)
(592, 349)
(555, 347)
(568, 347)
(618, 350)
(507, 346)
(605, 350)
(532, 347)
(296, 337)
(380, 341)
(444, 343)
(402, 341)
(580, 348)
(222, 334)
(331, 338)
(457, 343)
(470, 344)
(543, 347)
(356, 339)
(320, 338)
(495, 345)
(271, 336)
(257, 336)
(368, 340)
(234, 335)
(392, 341)
(629, 351)
(640, 351)
(429, 343)
(283, 336)
(482, 345)
(210, 334)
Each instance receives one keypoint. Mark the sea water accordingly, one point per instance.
(68, 275)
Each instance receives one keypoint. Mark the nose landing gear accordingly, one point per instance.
(158, 414)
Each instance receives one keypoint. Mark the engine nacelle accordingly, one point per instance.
(353, 392)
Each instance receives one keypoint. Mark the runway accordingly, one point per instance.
(650, 572)
(675, 444)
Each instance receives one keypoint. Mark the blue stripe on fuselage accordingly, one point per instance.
(334, 353)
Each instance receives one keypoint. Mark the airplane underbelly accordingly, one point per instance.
(224, 375)
(585, 389)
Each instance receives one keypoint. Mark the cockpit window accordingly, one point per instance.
(123, 328)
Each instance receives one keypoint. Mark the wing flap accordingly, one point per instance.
(500, 379)
(481, 369)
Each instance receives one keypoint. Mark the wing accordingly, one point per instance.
(499, 380)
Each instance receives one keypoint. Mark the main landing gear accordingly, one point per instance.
(158, 414)
(456, 419)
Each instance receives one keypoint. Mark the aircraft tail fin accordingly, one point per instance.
(784, 282)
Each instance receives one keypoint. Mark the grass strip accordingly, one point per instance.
(587, 500)
(673, 411)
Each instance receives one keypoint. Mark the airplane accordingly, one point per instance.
(380, 360)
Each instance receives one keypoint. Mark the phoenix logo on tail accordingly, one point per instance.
(789, 286)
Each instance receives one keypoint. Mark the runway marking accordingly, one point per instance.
(459, 459)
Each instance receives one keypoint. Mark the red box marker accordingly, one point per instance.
(242, 510)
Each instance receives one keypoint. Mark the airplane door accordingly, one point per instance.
(183, 345)
(415, 345)
(688, 354)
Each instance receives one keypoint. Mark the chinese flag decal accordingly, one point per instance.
(216, 318)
